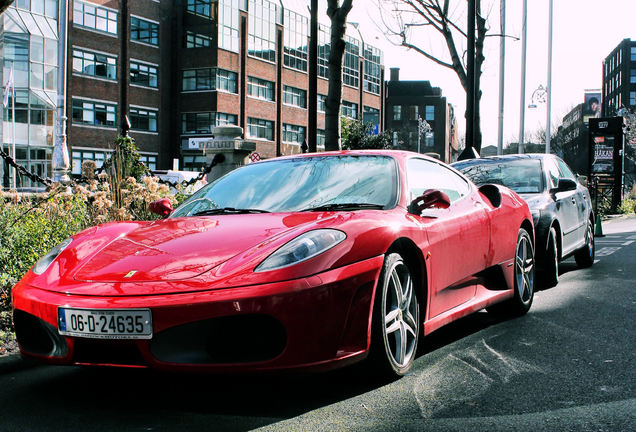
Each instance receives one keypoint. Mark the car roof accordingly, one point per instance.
(399, 154)
(503, 158)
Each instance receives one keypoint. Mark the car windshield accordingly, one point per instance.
(299, 184)
(521, 175)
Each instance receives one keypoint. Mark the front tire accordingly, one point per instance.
(584, 257)
(396, 319)
(551, 267)
(523, 279)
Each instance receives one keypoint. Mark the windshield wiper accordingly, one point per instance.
(227, 210)
(345, 206)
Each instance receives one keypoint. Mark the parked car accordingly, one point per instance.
(311, 261)
(561, 207)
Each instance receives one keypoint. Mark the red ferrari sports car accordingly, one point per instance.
(311, 261)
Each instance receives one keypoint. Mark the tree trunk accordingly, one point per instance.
(338, 16)
(479, 61)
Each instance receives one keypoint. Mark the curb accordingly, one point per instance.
(14, 363)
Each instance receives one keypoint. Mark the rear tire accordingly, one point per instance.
(523, 280)
(396, 319)
(584, 257)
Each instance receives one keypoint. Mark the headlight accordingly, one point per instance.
(44, 262)
(300, 249)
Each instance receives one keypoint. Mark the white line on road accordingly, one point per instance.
(606, 251)
(627, 243)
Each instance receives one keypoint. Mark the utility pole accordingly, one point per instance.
(502, 71)
(549, 102)
(524, 46)
(312, 98)
(469, 151)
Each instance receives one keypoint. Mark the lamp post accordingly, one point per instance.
(60, 160)
(422, 128)
(539, 96)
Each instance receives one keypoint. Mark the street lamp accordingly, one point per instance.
(422, 128)
(538, 96)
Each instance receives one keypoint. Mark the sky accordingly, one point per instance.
(584, 33)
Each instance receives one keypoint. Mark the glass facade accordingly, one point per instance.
(261, 34)
(351, 64)
(229, 25)
(28, 52)
(372, 69)
(296, 40)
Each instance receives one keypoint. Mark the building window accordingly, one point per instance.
(295, 43)
(260, 88)
(209, 79)
(322, 103)
(94, 64)
(349, 109)
(294, 96)
(632, 77)
(143, 119)
(293, 133)
(200, 7)
(78, 157)
(397, 112)
(372, 69)
(204, 122)
(94, 17)
(320, 138)
(632, 98)
(633, 54)
(144, 31)
(149, 160)
(94, 113)
(43, 66)
(413, 112)
(143, 74)
(229, 25)
(197, 40)
(430, 112)
(259, 128)
(429, 139)
(351, 64)
(324, 47)
(261, 40)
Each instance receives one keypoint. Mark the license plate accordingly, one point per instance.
(105, 323)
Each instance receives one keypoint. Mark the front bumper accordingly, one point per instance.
(318, 322)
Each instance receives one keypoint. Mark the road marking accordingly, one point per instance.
(597, 261)
(606, 251)
(631, 237)
(627, 243)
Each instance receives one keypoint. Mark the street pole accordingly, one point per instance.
(123, 68)
(13, 174)
(502, 70)
(419, 132)
(60, 160)
(524, 46)
(549, 101)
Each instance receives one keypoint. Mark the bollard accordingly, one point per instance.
(598, 231)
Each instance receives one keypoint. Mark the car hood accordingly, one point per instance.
(181, 248)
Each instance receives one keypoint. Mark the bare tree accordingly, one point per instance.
(337, 13)
(409, 18)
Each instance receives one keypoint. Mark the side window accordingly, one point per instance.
(553, 173)
(423, 174)
(565, 170)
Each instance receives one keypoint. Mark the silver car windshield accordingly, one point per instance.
(300, 184)
(522, 175)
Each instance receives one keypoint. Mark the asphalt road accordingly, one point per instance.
(566, 366)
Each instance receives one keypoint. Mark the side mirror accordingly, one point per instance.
(430, 198)
(162, 207)
(564, 185)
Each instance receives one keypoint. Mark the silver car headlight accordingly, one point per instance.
(44, 262)
(302, 248)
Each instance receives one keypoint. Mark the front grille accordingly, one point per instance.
(225, 340)
(112, 352)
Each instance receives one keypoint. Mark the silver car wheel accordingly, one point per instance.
(524, 269)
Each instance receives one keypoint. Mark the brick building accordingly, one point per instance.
(406, 102)
(197, 64)
(619, 79)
